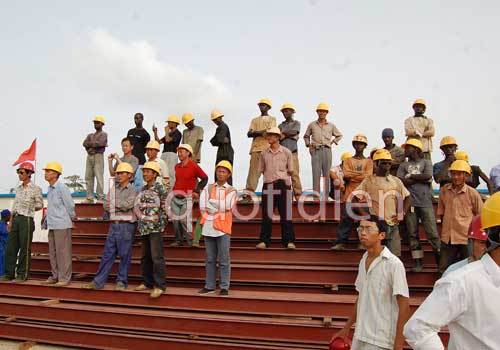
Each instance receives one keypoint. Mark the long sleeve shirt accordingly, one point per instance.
(421, 128)
(467, 301)
(60, 207)
(96, 142)
(151, 209)
(120, 202)
(222, 140)
(28, 200)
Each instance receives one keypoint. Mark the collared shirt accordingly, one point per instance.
(456, 266)
(191, 137)
(186, 177)
(96, 142)
(60, 207)
(421, 195)
(139, 138)
(322, 134)
(289, 127)
(377, 306)
(172, 145)
(215, 205)
(357, 170)
(28, 200)
(276, 165)
(151, 214)
(261, 123)
(468, 302)
(122, 201)
(495, 177)
(384, 192)
(457, 209)
(421, 128)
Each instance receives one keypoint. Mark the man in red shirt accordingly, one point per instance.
(186, 188)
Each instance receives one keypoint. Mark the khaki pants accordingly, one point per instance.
(95, 168)
(170, 159)
(296, 184)
(253, 171)
(60, 254)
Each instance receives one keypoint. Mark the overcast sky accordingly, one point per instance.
(62, 64)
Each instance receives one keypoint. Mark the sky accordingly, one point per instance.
(61, 64)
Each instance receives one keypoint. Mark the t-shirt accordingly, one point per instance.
(191, 137)
(172, 145)
(186, 177)
(421, 194)
(139, 138)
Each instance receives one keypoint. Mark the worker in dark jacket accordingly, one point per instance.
(222, 140)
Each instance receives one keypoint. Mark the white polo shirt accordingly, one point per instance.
(377, 308)
(468, 302)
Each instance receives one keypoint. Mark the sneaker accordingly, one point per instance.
(205, 291)
(120, 286)
(140, 287)
(90, 285)
(49, 280)
(61, 284)
(224, 292)
(156, 293)
(290, 246)
(338, 246)
(261, 245)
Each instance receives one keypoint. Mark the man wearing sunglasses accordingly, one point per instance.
(28, 200)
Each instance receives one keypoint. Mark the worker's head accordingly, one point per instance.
(419, 106)
(413, 149)
(371, 232)
(388, 136)
(25, 170)
(150, 171)
(288, 110)
(138, 119)
(322, 110)
(127, 146)
(383, 160)
(152, 149)
(359, 143)
(448, 145)
(124, 173)
(188, 120)
(264, 106)
(184, 151)
(98, 126)
(52, 171)
(223, 171)
(460, 170)
(273, 135)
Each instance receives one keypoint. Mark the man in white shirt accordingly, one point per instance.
(216, 203)
(383, 300)
(466, 300)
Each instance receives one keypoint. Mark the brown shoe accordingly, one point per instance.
(338, 246)
(290, 246)
(156, 293)
(140, 287)
(261, 245)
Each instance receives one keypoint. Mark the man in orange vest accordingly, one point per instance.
(216, 203)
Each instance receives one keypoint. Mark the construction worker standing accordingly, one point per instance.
(319, 138)
(416, 175)
(477, 173)
(139, 138)
(458, 204)
(421, 127)
(222, 140)
(337, 182)
(95, 144)
(152, 150)
(397, 153)
(192, 135)
(257, 130)
(28, 200)
(440, 170)
(290, 129)
(466, 301)
(5, 217)
(171, 141)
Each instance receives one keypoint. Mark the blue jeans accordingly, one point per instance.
(119, 242)
(217, 247)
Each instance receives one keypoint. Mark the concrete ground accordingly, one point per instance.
(16, 345)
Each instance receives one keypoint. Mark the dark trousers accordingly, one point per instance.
(119, 242)
(451, 253)
(277, 194)
(346, 225)
(19, 242)
(152, 261)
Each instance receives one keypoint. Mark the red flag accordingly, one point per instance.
(28, 155)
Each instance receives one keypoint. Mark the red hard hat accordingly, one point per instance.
(340, 344)
(27, 166)
(475, 231)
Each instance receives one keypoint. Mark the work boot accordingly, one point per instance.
(338, 246)
(90, 285)
(156, 293)
(49, 281)
(140, 287)
(261, 245)
(418, 265)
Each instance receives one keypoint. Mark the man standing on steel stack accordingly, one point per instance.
(28, 200)
(319, 138)
(193, 136)
(95, 144)
(421, 127)
(139, 138)
(397, 153)
(222, 140)
(290, 130)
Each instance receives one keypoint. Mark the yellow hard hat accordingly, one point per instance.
(173, 118)
(265, 101)
(460, 165)
(419, 101)
(382, 154)
(216, 114)
(490, 214)
(323, 106)
(360, 138)
(447, 140)
(55, 166)
(99, 118)
(225, 164)
(345, 156)
(413, 142)
(153, 145)
(287, 105)
(274, 130)
(462, 155)
(186, 118)
(124, 167)
(186, 147)
(152, 166)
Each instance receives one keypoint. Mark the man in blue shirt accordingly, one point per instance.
(60, 213)
(3, 238)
